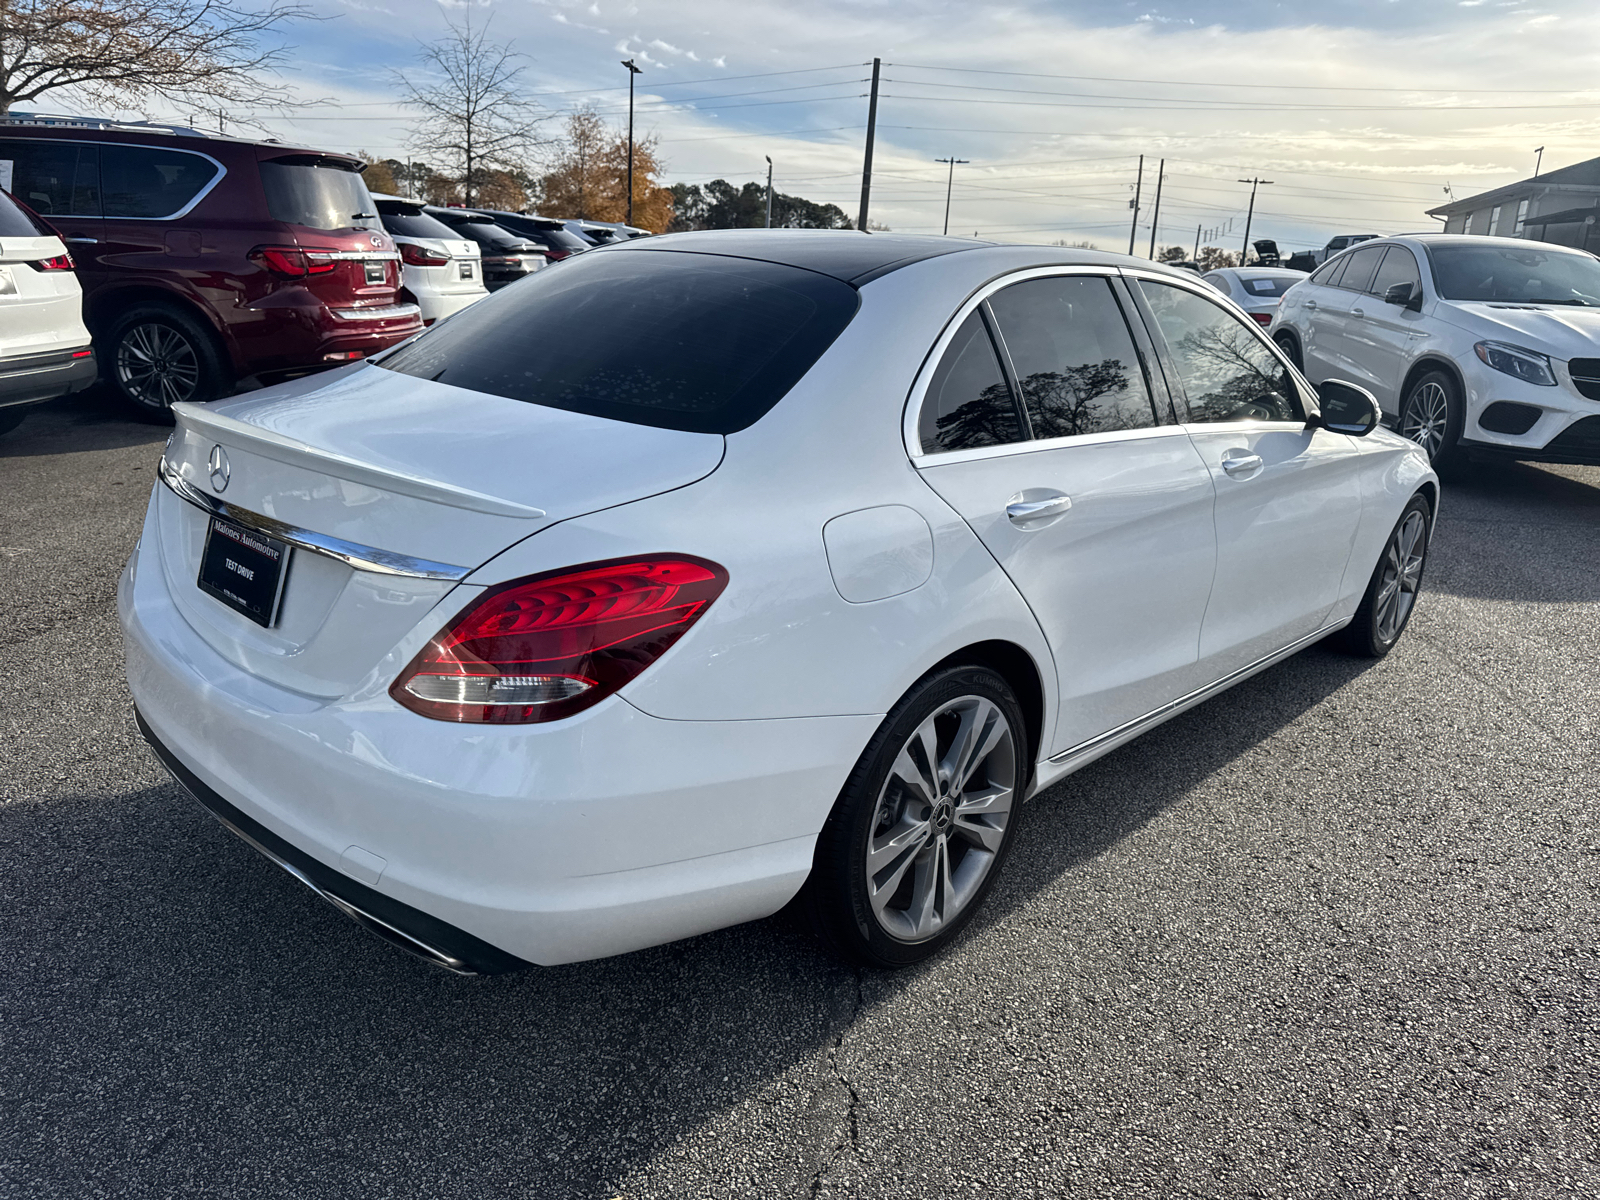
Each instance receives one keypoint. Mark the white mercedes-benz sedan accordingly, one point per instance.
(784, 564)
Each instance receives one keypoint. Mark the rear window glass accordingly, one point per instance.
(491, 236)
(404, 223)
(695, 342)
(317, 196)
(556, 238)
(55, 179)
(16, 223)
(143, 181)
(1266, 287)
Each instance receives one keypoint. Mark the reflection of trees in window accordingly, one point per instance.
(990, 420)
(1231, 377)
(1091, 398)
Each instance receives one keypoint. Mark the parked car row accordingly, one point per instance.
(1474, 346)
(201, 264)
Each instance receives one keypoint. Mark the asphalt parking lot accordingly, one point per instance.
(1332, 934)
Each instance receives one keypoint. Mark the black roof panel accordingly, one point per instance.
(847, 255)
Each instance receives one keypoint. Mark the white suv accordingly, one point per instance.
(442, 269)
(1474, 346)
(44, 345)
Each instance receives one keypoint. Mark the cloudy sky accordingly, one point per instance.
(1360, 113)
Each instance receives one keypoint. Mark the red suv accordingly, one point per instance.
(210, 262)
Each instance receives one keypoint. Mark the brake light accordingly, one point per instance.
(61, 262)
(555, 255)
(292, 262)
(421, 256)
(546, 647)
(1262, 318)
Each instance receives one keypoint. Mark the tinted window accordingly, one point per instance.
(1514, 274)
(1399, 266)
(318, 196)
(1328, 274)
(490, 236)
(1226, 370)
(556, 237)
(1267, 287)
(16, 223)
(1073, 355)
(1220, 282)
(1359, 271)
(968, 403)
(404, 222)
(683, 341)
(142, 181)
(54, 179)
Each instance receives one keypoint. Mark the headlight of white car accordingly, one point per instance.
(1526, 365)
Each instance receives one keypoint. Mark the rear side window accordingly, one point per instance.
(968, 403)
(1073, 356)
(17, 224)
(1360, 269)
(55, 179)
(1399, 266)
(1328, 273)
(1228, 374)
(143, 181)
(695, 342)
(317, 195)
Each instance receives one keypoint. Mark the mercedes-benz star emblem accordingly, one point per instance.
(218, 462)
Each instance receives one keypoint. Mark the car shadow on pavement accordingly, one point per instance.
(1546, 522)
(182, 1015)
(94, 419)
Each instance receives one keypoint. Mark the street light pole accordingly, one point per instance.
(632, 71)
(1538, 161)
(949, 184)
(1244, 255)
(768, 157)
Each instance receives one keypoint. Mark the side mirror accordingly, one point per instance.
(1407, 295)
(1346, 408)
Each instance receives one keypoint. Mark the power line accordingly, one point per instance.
(1183, 104)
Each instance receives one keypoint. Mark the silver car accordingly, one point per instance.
(1257, 290)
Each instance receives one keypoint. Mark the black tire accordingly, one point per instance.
(1373, 631)
(155, 354)
(1290, 345)
(874, 805)
(1432, 415)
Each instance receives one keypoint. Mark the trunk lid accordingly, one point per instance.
(398, 468)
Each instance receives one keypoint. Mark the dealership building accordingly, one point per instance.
(1560, 206)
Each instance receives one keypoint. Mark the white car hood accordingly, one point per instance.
(1559, 331)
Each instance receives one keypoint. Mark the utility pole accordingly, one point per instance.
(632, 71)
(872, 129)
(768, 157)
(1196, 256)
(1249, 216)
(1538, 161)
(949, 184)
(1155, 216)
(1133, 230)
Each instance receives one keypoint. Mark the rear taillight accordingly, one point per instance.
(1262, 318)
(61, 262)
(292, 262)
(544, 648)
(421, 256)
(557, 255)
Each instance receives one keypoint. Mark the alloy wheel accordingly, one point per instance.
(941, 818)
(1427, 418)
(1402, 576)
(157, 365)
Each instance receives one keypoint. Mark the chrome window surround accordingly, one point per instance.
(182, 212)
(354, 554)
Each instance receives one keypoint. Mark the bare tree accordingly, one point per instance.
(475, 118)
(122, 53)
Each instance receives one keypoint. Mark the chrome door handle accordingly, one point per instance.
(1245, 464)
(1021, 511)
(1310, 304)
(82, 241)
(1356, 312)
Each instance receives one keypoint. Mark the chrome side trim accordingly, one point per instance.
(362, 558)
(1170, 708)
(353, 255)
(380, 927)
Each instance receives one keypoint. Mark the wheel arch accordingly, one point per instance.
(1016, 666)
(103, 308)
(1429, 362)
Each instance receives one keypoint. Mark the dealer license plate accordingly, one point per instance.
(244, 569)
(466, 270)
(377, 272)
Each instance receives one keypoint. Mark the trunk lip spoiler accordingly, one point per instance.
(282, 448)
(354, 554)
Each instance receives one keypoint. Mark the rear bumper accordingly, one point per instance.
(608, 832)
(35, 378)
